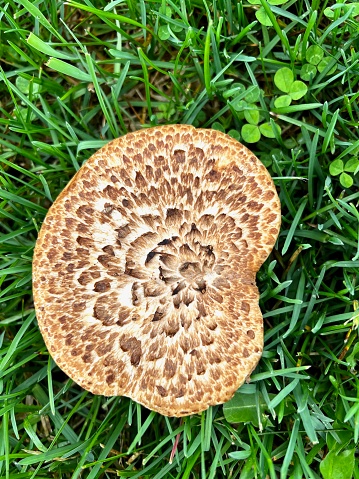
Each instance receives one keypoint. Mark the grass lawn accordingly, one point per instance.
(281, 77)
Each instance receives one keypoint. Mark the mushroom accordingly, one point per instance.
(144, 269)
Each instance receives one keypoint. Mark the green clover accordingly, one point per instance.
(337, 168)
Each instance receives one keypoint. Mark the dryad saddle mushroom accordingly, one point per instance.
(144, 269)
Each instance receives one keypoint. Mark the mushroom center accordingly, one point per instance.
(167, 271)
(189, 270)
(182, 267)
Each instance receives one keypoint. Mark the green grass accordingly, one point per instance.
(74, 76)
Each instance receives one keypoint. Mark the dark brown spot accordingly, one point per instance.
(171, 329)
(126, 160)
(125, 202)
(150, 256)
(51, 254)
(245, 307)
(136, 358)
(70, 267)
(201, 285)
(123, 231)
(110, 378)
(179, 156)
(83, 228)
(111, 192)
(253, 205)
(213, 175)
(103, 348)
(82, 252)
(110, 360)
(122, 316)
(206, 339)
(179, 288)
(270, 218)
(164, 242)
(237, 170)
(135, 292)
(268, 195)
(215, 374)
(109, 250)
(101, 312)
(79, 305)
(84, 210)
(133, 346)
(216, 296)
(169, 369)
(87, 358)
(245, 353)
(172, 212)
(105, 260)
(188, 300)
(102, 286)
(180, 392)
(140, 180)
(162, 391)
(84, 241)
(108, 208)
(251, 334)
(150, 220)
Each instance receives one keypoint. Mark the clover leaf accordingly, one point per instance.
(234, 134)
(163, 32)
(352, 165)
(297, 90)
(346, 180)
(250, 133)
(282, 101)
(308, 72)
(314, 55)
(337, 167)
(283, 79)
(323, 64)
(253, 94)
(251, 114)
(267, 130)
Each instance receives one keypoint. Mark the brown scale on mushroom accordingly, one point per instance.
(144, 269)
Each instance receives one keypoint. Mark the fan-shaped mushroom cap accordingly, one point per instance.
(144, 269)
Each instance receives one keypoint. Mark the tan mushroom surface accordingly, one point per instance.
(144, 269)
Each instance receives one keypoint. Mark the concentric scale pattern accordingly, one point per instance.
(144, 270)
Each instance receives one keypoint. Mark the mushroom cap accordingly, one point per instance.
(144, 268)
